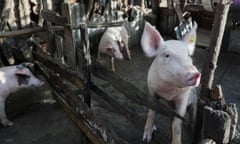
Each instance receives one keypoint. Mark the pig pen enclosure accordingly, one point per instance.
(109, 107)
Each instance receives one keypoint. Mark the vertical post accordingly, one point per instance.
(51, 35)
(210, 63)
(176, 5)
(69, 49)
(110, 16)
(86, 64)
(82, 47)
(76, 20)
(142, 5)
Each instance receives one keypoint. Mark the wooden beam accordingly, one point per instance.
(25, 31)
(21, 32)
(63, 70)
(76, 79)
(96, 130)
(69, 49)
(53, 17)
(210, 63)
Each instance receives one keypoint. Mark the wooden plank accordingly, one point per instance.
(86, 62)
(59, 46)
(210, 63)
(25, 31)
(21, 32)
(220, 130)
(95, 129)
(159, 136)
(132, 92)
(76, 79)
(63, 70)
(53, 17)
(51, 33)
(69, 49)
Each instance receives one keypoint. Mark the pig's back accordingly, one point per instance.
(9, 70)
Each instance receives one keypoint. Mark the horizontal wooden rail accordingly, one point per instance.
(95, 129)
(53, 17)
(25, 31)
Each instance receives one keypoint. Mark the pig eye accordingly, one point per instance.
(167, 55)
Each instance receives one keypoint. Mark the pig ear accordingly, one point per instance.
(151, 40)
(190, 38)
(23, 71)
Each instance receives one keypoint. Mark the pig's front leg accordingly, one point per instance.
(149, 126)
(180, 105)
(3, 117)
(128, 51)
(112, 65)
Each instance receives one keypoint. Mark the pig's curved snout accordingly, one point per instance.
(41, 83)
(193, 79)
(120, 57)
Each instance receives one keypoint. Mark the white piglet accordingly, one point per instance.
(112, 42)
(171, 76)
(13, 78)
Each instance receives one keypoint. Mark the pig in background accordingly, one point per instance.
(171, 76)
(112, 44)
(13, 78)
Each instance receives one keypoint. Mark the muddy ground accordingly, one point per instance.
(42, 121)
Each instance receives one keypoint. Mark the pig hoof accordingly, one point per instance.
(176, 141)
(129, 58)
(7, 123)
(147, 135)
(113, 69)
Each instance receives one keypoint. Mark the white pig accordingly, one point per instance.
(112, 42)
(13, 78)
(171, 76)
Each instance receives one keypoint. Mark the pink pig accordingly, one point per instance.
(112, 42)
(171, 76)
(13, 78)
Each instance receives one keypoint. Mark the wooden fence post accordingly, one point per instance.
(69, 49)
(210, 63)
(82, 50)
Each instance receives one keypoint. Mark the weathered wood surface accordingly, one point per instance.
(53, 17)
(219, 131)
(69, 49)
(25, 31)
(86, 62)
(208, 72)
(96, 130)
(210, 63)
(225, 118)
(21, 32)
(76, 78)
(59, 46)
(63, 70)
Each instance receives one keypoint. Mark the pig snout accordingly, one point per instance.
(119, 56)
(35, 82)
(193, 78)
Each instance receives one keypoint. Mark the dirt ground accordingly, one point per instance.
(44, 122)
